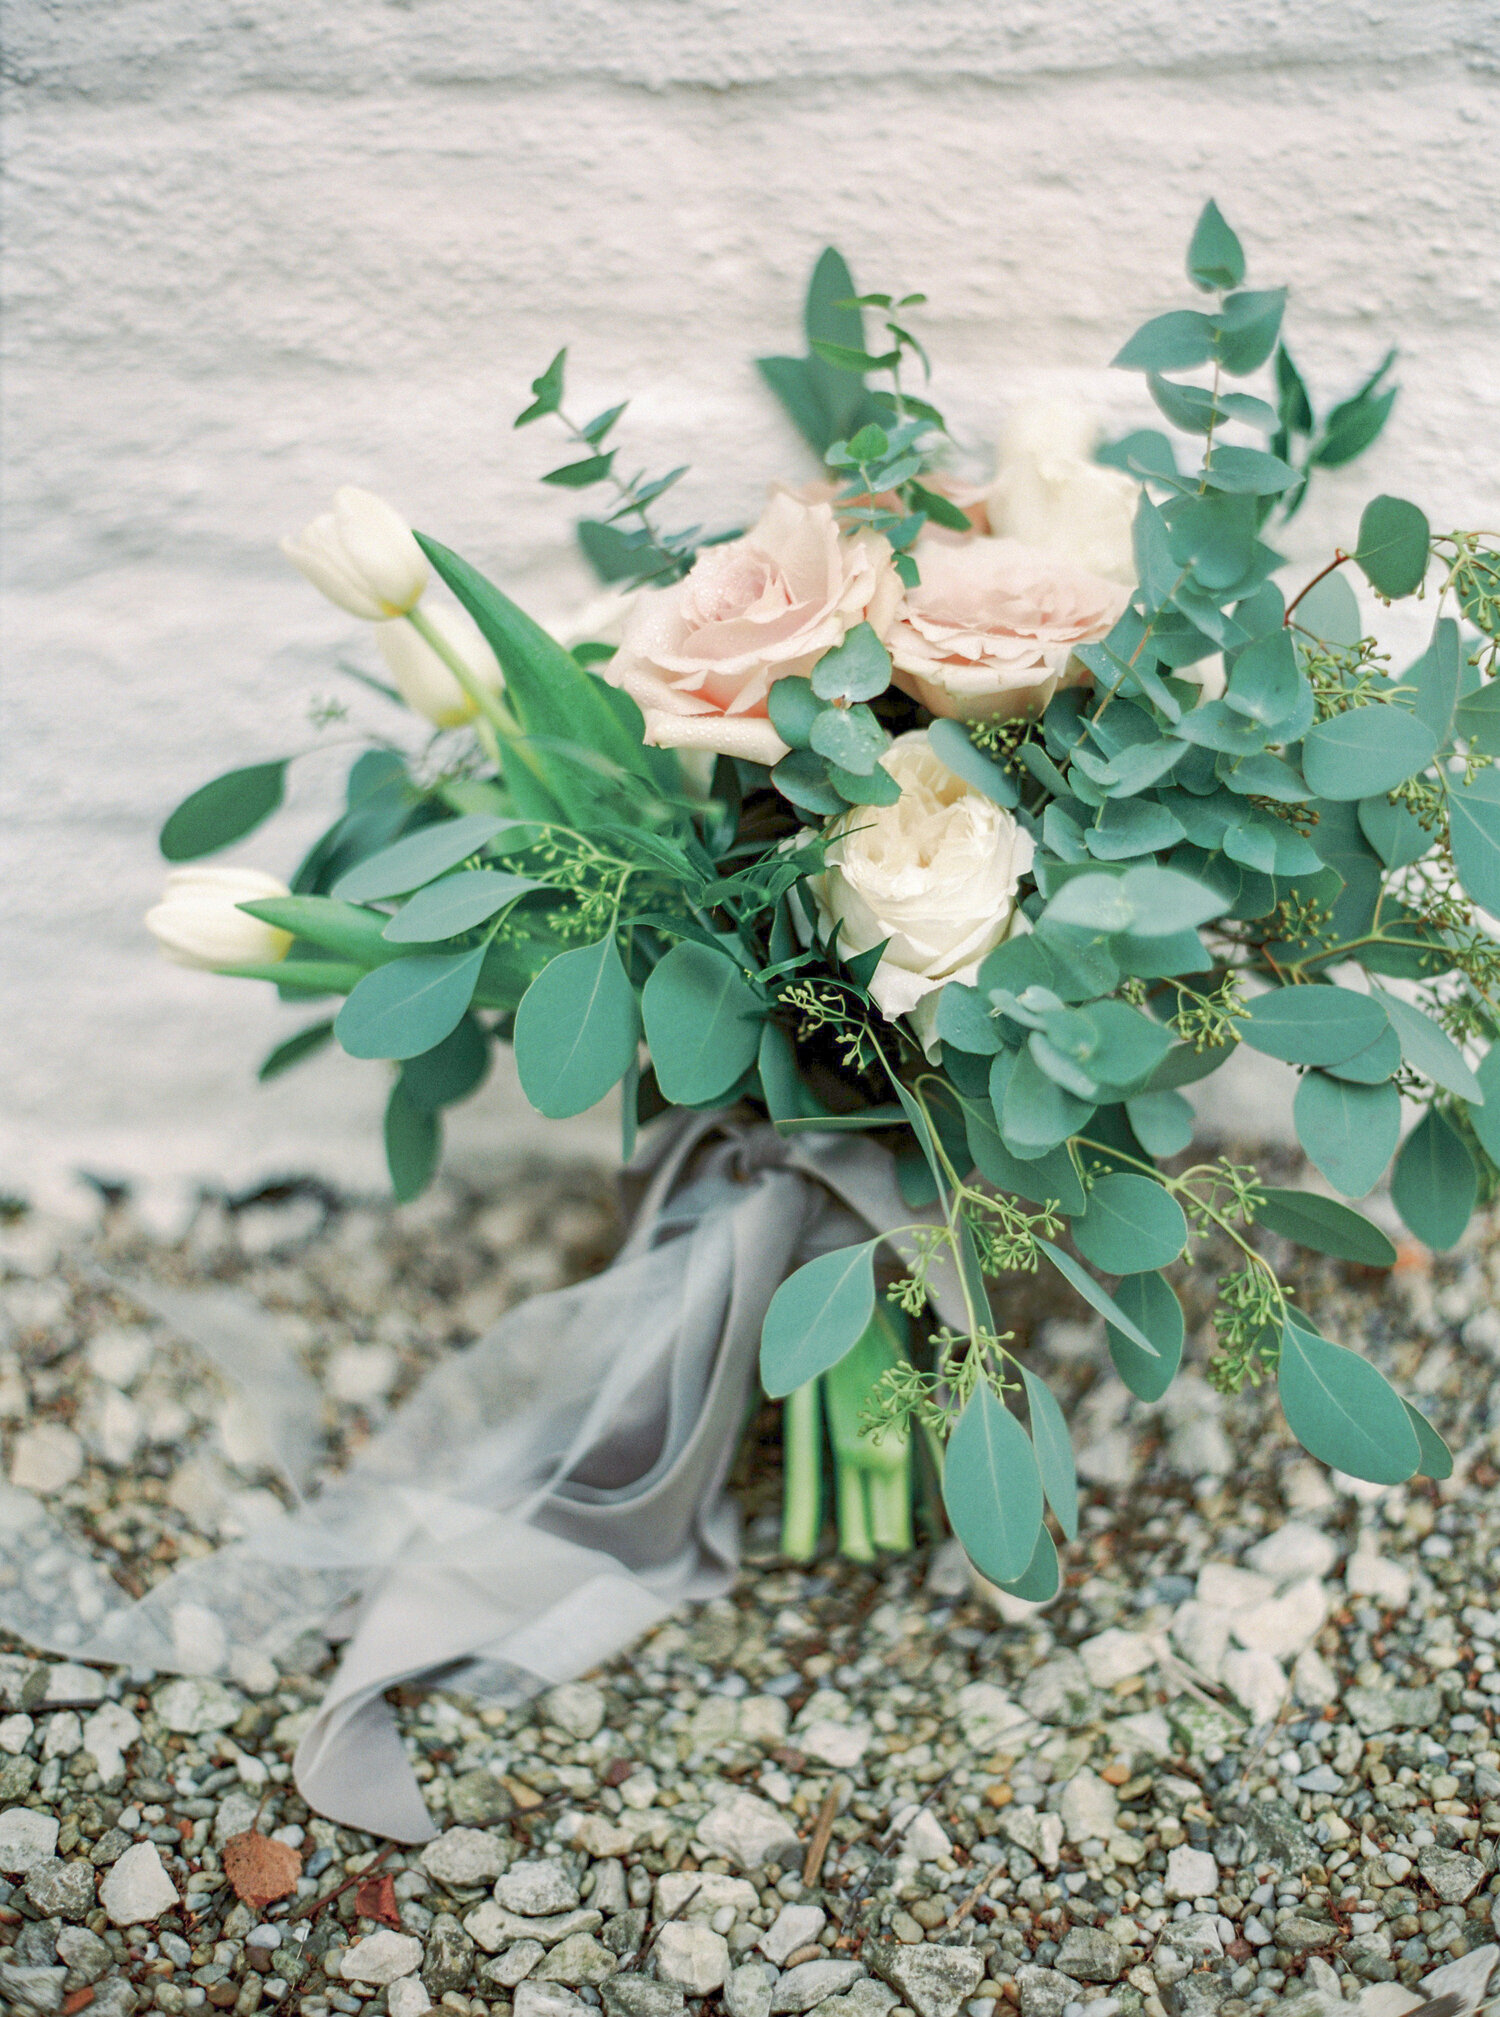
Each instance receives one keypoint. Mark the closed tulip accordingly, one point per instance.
(362, 555)
(425, 683)
(197, 923)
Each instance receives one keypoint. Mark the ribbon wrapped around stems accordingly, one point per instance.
(544, 1497)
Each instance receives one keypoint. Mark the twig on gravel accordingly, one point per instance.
(822, 1835)
(643, 1954)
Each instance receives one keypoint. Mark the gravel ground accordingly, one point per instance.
(1247, 1757)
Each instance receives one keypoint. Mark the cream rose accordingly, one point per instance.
(1048, 491)
(936, 874)
(992, 625)
(699, 658)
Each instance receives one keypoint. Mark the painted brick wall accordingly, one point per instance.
(258, 249)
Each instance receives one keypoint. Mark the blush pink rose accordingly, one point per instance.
(700, 658)
(990, 629)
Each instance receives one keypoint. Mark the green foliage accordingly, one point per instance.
(413, 1143)
(224, 811)
(405, 1007)
(1132, 1225)
(1325, 1226)
(702, 1022)
(816, 1316)
(1155, 1313)
(1393, 545)
(1434, 1184)
(1343, 1411)
(992, 1488)
(576, 1031)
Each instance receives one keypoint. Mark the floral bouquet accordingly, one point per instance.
(943, 833)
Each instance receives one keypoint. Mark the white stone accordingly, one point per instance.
(696, 1958)
(1467, 1978)
(1200, 1449)
(1145, 1734)
(119, 1356)
(116, 1428)
(1191, 1873)
(813, 1982)
(1223, 1586)
(193, 1705)
(45, 1458)
(793, 1927)
(407, 1998)
(841, 1745)
(1255, 1680)
(1367, 1574)
(576, 1707)
(1314, 1682)
(639, 1791)
(748, 1832)
(1110, 1459)
(988, 1717)
(463, 1856)
(361, 1374)
(534, 1888)
(1088, 1806)
(762, 1719)
(747, 1991)
(136, 1889)
(1295, 1549)
(703, 1894)
(1282, 1626)
(15, 1734)
(67, 1683)
(1040, 1835)
(1200, 1633)
(1114, 1655)
(516, 1963)
(547, 1999)
(922, 1835)
(64, 1735)
(382, 1957)
(26, 1839)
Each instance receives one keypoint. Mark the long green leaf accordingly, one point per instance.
(703, 1023)
(992, 1488)
(404, 1008)
(1099, 1298)
(576, 1031)
(224, 810)
(1054, 1452)
(816, 1316)
(1343, 1411)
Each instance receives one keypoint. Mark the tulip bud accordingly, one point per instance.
(197, 923)
(362, 555)
(424, 682)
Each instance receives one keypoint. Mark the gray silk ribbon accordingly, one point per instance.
(543, 1498)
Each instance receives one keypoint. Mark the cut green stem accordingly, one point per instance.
(802, 1472)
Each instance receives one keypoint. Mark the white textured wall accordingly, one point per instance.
(256, 250)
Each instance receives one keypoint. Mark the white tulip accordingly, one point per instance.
(424, 682)
(1048, 492)
(197, 923)
(936, 875)
(362, 555)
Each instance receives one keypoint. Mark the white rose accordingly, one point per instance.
(363, 555)
(423, 681)
(699, 658)
(937, 874)
(992, 625)
(1048, 491)
(197, 923)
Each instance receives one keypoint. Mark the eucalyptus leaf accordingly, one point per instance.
(1162, 1121)
(1324, 1225)
(949, 741)
(1311, 1025)
(413, 1144)
(451, 1070)
(1054, 1452)
(857, 669)
(1429, 1049)
(1148, 1301)
(292, 1049)
(1365, 750)
(455, 904)
(703, 1023)
(817, 1315)
(1131, 1225)
(576, 1030)
(1393, 545)
(1474, 831)
(1099, 1298)
(419, 858)
(1343, 1411)
(992, 1488)
(405, 1007)
(224, 810)
(1215, 257)
(793, 708)
(1349, 1131)
(1434, 1184)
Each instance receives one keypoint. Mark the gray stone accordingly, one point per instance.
(1196, 1995)
(86, 1955)
(749, 1832)
(1378, 1709)
(1453, 1876)
(382, 1958)
(113, 1998)
(579, 1961)
(1044, 1992)
(464, 1856)
(703, 1894)
(577, 1707)
(865, 1998)
(1089, 1809)
(477, 1800)
(747, 1992)
(408, 1998)
(1059, 1691)
(137, 1889)
(28, 1989)
(624, 1932)
(813, 1982)
(547, 1999)
(1191, 1873)
(514, 1964)
(36, 1943)
(933, 1980)
(1202, 1724)
(60, 1890)
(535, 1887)
(1297, 1934)
(1089, 1955)
(634, 1996)
(696, 1958)
(448, 1956)
(26, 1839)
(608, 1893)
(236, 1816)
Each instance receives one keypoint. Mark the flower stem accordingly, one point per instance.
(890, 1507)
(802, 1472)
(854, 1510)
